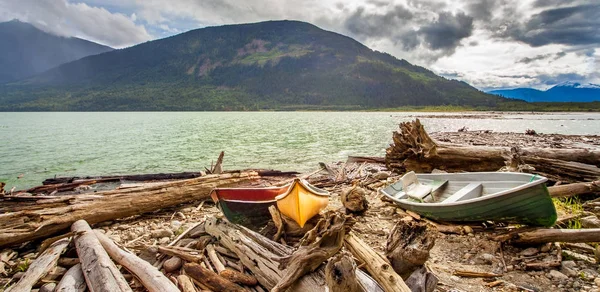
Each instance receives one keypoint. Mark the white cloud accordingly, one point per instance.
(76, 19)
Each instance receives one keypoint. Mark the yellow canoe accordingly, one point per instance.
(302, 201)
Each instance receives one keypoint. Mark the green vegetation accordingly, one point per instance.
(571, 206)
(276, 65)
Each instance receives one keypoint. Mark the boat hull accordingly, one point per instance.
(247, 206)
(302, 202)
(531, 205)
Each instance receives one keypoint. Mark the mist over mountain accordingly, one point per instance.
(25, 50)
(266, 65)
(564, 92)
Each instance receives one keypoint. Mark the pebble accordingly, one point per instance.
(597, 282)
(529, 252)
(590, 222)
(454, 278)
(487, 258)
(546, 247)
(468, 229)
(163, 240)
(569, 272)
(554, 274)
(160, 233)
(569, 264)
(180, 215)
(172, 264)
(123, 227)
(175, 225)
(48, 287)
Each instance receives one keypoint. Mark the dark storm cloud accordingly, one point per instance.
(528, 60)
(447, 32)
(482, 9)
(576, 26)
(397, 24)
(362, 23)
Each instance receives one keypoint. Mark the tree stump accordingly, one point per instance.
(354, 199)
(340, 274)
(408, 246)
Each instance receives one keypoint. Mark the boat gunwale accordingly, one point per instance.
(474, 200)
(215, 191)
(313, 190)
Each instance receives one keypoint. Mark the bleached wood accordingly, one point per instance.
(72, 281)
(44, 218)
(186, 284)
(40, 266)
(379, 268)
(149, 276)
(101, 274)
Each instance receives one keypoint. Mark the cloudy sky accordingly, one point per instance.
(487, 43)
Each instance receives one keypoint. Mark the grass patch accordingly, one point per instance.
(570, 206)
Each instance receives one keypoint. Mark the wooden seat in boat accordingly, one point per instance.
(413, 188)
(469, 191)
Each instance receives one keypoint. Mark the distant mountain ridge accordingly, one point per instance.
(25, 50)
(256, 66)
(563, 92)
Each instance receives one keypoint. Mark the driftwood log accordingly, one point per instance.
(210, 279)
(379, 268)
(72, 281)
(544, 235)
(340, 274)
(413, 149)
(99, 271)
(185, 283)
(408, 246)
(49, 216)
(149, 276)
(41, 266)
(320, 244)
(257, 252)
(574, 189)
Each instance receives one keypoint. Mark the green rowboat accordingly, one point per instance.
(475, 197)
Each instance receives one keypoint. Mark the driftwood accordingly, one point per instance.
(413, 149)
(574, 189)
(256, 253)
(378, 266)
(211, 279)
(99, 271)
(340, 274)
(134, 177)
(149, 276)
(41, 266)
(329, 238)
(543, 235)
(408, 246)
(5, 256)
(354, 199)
(218, 168)
(72, 281)
(186, 284)
(47, 218)
(473, 274)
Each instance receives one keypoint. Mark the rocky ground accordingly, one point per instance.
(472, 250)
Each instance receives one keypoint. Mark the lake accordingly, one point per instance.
(36, 146)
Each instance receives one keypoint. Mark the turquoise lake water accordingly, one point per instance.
(37, 146)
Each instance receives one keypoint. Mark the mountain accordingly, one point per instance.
(26, 50)
(266, 65)
(563, 92)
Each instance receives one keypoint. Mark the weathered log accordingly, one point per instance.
(256, 253)
(218, 168)
(238, 277)
(379, 268)
(340, 274)
(68, 262)
(133, 177)
(211, 279)
(413, 149)
(329, 240)
(5, 256)
(41, 266)
(543, 235)
(61, 187)
(187, 254)
(99, 271)
(72, 281)
(408, 246)
(354, 199)
(149, 276)
(186, 284)
(422, 280)
(45, 220)
(569, 190)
